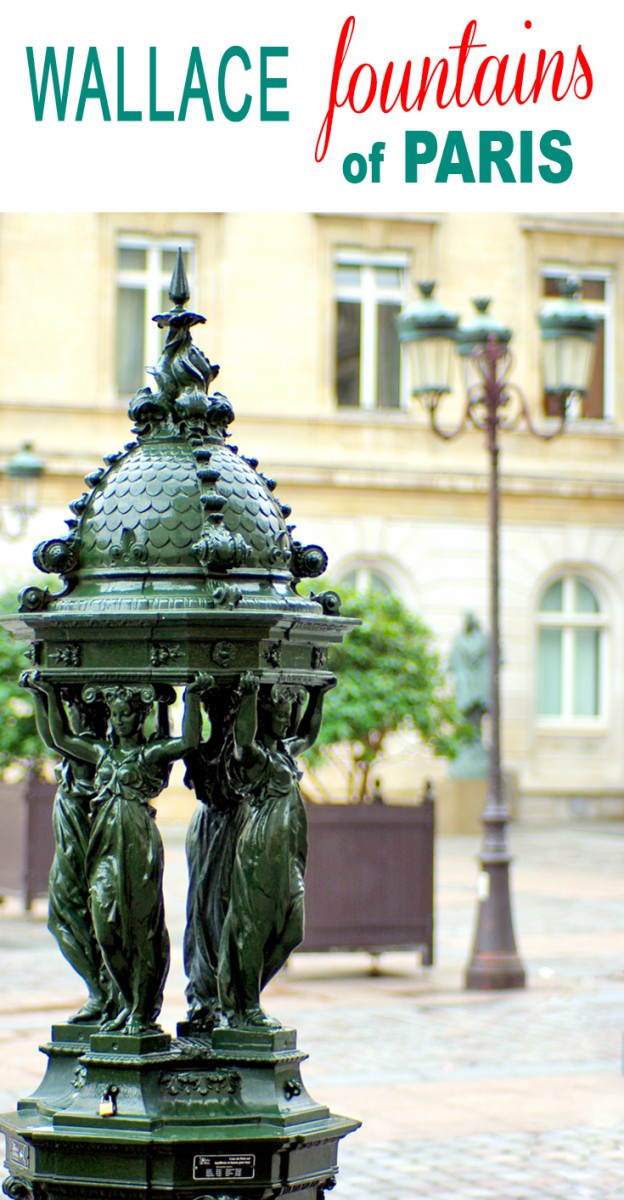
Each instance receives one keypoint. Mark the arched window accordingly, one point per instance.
(570, 651)
(366, 578)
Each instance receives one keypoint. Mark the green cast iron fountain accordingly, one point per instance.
(179, 571)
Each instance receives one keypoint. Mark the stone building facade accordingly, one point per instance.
(300, 313)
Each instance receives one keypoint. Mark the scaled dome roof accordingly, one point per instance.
(179, 501)
(150, 509)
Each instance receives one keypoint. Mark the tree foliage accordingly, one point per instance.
(20, 743)
(389, 679)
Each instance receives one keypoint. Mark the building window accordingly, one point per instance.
(144, 270)
(597, 293)
(570, 651)
(370, 292)
(366, 579)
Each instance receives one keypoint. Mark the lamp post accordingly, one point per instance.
(24, 470)
(493, 404)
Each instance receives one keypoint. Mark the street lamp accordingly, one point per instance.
(24, 471)
(493, 404)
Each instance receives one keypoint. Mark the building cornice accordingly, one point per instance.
(595, 225)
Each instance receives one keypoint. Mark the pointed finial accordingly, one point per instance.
(179, 291)
(179, 319)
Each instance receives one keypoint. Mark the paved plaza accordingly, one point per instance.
(507, 1095)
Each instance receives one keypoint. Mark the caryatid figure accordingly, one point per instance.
(124, 860)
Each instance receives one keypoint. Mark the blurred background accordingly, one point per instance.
(300, 313)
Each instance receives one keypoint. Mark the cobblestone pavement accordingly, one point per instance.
(506, 1095)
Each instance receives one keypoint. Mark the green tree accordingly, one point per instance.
(389, 679)
(20, 743)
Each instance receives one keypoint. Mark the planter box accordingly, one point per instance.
(26, 838)
(369, 882)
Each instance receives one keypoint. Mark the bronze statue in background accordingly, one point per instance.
(469, 663)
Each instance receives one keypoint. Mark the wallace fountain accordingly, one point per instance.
(179, 576)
